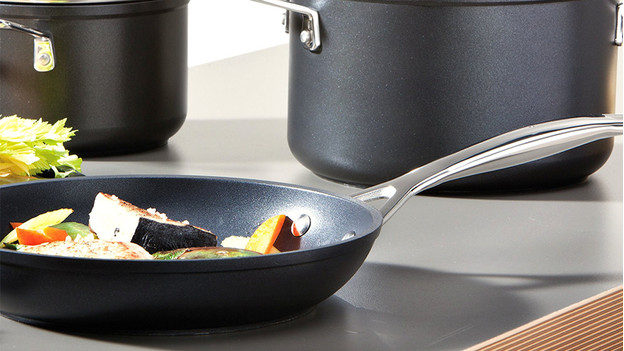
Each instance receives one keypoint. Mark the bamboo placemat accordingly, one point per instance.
(592, 324)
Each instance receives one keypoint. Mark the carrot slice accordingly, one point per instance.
(263, 238)
(55, 234)
(31, 237)
(273, 250)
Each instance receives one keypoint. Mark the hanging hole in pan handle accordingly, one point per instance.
(310, 34)
(43, 50)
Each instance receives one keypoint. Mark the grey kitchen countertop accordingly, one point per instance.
(446, 273)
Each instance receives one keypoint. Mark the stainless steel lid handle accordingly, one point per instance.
(310, 35)
(43, 52)
(507, 150)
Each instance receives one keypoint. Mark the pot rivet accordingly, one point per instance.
(44, 59)
(306, 38)
(349, 235)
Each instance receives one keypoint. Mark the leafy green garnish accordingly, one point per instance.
(29, 147)
(74, 229)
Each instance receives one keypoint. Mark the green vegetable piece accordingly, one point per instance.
(216, 252)
(168, 255)
(198, 253)
(14, 247)
(74, 229)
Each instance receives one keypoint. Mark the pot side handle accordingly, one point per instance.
(43, 57)
(310, 35)
(507, 150)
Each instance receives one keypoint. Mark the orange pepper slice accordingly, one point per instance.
(31, 237)
(35, 237)
(55, 234)
(263, 238)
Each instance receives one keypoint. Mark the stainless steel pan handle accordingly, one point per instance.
(511, 149)
(43, 56)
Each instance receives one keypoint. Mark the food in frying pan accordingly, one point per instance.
(91, 249)
(31, 149)
(203, 252)
(119, 229)
(114, 219)
(276, 234)
(36, 225)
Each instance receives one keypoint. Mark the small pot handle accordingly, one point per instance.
(310, 36)
(43, 57)
(507, 150)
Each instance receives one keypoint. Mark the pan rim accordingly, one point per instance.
(302, 256)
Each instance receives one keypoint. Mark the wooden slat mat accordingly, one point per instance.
(592, 324)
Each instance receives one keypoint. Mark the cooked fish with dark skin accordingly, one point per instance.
(156, 236)
(114, 219)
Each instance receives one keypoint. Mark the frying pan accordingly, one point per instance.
(212, 295)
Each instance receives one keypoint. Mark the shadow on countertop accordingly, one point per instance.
(377, 311)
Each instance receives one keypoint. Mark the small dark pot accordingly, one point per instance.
(119, 75)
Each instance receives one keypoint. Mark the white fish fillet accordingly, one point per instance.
(114, 219)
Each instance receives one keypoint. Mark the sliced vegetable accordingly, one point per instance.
(38, 223)
(31, 237)
(55, 234)
(75, 230)
(15, 224)
(196, 253)
(263, 238)
(36, 237)
(273, 250)
(15, 246)
(168, 255)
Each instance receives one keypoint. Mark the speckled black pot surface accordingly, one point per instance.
(396, 84)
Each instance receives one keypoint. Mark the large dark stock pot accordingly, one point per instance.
(117, 70)
(380, 87)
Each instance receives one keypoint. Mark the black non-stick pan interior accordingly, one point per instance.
(137, 296)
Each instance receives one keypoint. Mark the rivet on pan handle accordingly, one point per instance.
(506, 150)
(310, 35)
(43, 53)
